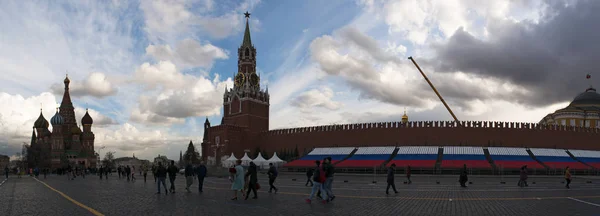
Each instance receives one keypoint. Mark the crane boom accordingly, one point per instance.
(436, 92)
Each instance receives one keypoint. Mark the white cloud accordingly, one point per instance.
(180, 95)
(188, 53)
(95, 84)
(322, 98)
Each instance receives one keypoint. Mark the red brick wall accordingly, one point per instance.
(387, 134)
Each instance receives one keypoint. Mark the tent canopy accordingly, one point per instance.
(275, 159)
(232, 157)
(259, 158)
(246, 158)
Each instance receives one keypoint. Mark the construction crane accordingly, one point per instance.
(436, 92)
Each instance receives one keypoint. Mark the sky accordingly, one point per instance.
(150, 72)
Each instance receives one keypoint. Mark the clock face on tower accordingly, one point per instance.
(240, 79)
(254, 80)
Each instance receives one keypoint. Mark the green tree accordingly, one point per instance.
(191, 154)
(109, 159)
(181, 162)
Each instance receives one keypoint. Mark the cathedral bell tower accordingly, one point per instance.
(246, 104)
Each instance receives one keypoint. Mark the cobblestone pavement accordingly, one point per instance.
(358, 196)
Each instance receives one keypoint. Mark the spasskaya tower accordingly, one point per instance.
(245, 109)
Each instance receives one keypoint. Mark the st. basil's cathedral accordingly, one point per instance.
(67, 143)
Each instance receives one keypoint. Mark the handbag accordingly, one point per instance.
(257, 186)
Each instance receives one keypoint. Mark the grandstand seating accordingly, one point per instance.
(457, 156)
(368, 157)
(591, 158)
(556, 158)
(308, 160)
(512, 158)
(416, 156)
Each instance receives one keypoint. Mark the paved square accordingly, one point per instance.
(357, 196)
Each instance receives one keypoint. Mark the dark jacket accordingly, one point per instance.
(252, 174)
(272, 172)
(161, 171)
(390, 174)
(189, 170)
(201, 171)
(317, 173)
(172, 171)
(329, 170)
(523, 174)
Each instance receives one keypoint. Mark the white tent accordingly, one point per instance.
(260, 161)
(230, 161)
(275, 160)
(246, 160)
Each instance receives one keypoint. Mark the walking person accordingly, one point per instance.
(107, 170)
(463, 176)
(309, 174)
(6, 171)
(523, 177)
(189, 176)
(272, 176)
(172, 175)
(329, 172)
(101, 172)
(161, 175)
(45, 172)
(390, 179)
(119, 171)
(318, 182)
(145, 171)
(128, 172)
(237, 179)
(568, 177)
(18, 172)
(253, 180)
(201, 172)
(408, 172)
(132, 173)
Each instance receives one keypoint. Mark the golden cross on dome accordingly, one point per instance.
(247, 14)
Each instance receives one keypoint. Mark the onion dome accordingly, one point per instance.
(57, 119)
(404, 117)
(67, 79)
(589, 97)
(87, 119)
(41, 122)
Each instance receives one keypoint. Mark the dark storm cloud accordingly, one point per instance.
(550, 58)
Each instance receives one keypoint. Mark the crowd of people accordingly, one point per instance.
(246, 181)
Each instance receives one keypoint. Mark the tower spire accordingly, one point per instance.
(247, 41)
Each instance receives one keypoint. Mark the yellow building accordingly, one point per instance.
(583, 111)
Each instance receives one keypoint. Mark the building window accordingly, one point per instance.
(572, 122)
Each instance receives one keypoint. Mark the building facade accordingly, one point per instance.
(245, 125)
(67, 143)
(583, 111)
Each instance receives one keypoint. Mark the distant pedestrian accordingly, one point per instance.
(101, 172)
(309, 174)
(568, 177)
(523, 177)
(172, 175)
(201, 172)
(45, 172)
(128, 172)
(463, 176)
(253, 180)
(107, 171)
(119, 171)
(132, 173)
(189, 176)
(18, 172)
(408, 172)
(6, 171)
(237, 179)
(390, 179)
(145, 172)
(272, 176)
(318, 182)
(161, 175)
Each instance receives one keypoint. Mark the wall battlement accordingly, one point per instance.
(433, 124)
